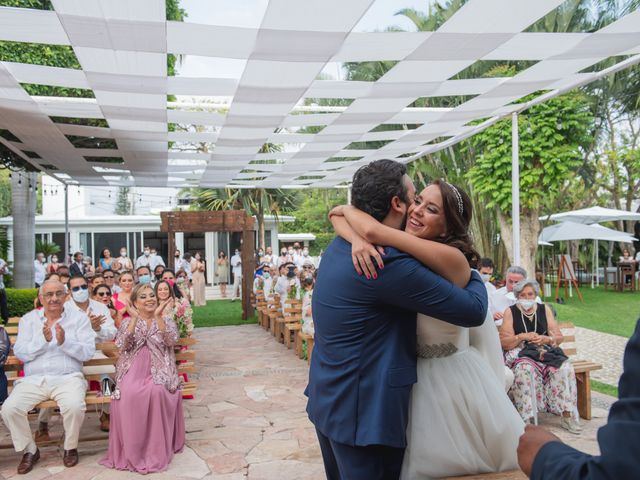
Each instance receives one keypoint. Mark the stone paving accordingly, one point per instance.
(247, 420)
(604, 349)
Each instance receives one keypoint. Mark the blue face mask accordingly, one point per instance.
(144, 279)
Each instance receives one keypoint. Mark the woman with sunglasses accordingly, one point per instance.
(147, 422)
(102, 293)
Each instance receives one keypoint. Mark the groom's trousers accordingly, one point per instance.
(373, 462)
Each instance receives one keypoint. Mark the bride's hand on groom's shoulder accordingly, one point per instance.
(363, 255)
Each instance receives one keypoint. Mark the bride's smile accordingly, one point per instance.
(426, 215)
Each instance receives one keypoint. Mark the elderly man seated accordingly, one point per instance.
(53, 343)
(105, 330)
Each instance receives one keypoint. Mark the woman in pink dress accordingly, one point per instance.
(147, 422)
(121, 299)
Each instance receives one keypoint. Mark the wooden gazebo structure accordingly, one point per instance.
(218, 221)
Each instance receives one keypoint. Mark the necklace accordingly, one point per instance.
(530, 317)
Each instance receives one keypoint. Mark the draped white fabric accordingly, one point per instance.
(121, 47)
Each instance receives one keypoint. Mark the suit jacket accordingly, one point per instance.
(619, 439)
(364, 360)
(75, 269)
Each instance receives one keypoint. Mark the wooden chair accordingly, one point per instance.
(292, 314)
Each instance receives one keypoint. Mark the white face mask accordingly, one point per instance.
(81, 296)
(485, 277)
(153, 254)
(526, 304)
(123, 253)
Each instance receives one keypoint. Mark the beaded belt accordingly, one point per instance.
(437, 351)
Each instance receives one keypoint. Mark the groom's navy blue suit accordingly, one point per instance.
(364, 361)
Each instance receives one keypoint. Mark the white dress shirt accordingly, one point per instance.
(40, 272)
(236, 264)
(154, 261)
(143, 261)
(48, 361)
(108, 329)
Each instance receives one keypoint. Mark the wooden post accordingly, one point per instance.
(248, 270)
(171, 235)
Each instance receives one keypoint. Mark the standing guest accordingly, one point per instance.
(89, 269)
(222, 273)
(122, 298)
(107, 261)
(143, 274)
(486, 268)
(186, 265)
(144, 260)
(77, 267)
(176, 260)
(40, 270)
(110, 280)
(198, 270)
(307, 313)
(157, 274)
(155, 259)
(53, 343)
(283, 258)
(124, 262)
(63, 273)
(236, 269)
(543, 456)
(268, 256)
(182, 283)
(53, 265)
(147, 425)
(4, 310)
(543, 382)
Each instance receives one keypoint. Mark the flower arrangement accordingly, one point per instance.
(184, 318)
(292, 292)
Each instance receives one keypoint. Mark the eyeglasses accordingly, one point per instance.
(58, 294)
(103, 294)
(79, 287)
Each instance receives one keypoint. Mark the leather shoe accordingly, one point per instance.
(104, 422)
(28, 461)
(70, 457)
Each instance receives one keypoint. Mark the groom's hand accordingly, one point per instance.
(531, 441)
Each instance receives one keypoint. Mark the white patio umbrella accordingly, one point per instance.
(580, 231)
(593, 215)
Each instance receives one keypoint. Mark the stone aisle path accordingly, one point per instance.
(602, 348)
(247, 420)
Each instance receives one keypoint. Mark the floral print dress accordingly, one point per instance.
(538, 387)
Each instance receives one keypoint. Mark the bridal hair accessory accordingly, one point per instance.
(458, 197)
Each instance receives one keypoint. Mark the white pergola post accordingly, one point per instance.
(515, 189)
(349, 195)
(66, 224)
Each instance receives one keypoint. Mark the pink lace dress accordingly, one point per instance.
(147, 422)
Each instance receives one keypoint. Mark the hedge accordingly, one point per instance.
(321, 243)
(20, 300)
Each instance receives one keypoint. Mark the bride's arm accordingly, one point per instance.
(446, 261)
(361, 250)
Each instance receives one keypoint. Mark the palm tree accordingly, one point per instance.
(255, 201)
(47, 248)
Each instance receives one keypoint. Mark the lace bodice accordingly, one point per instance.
(440, 339)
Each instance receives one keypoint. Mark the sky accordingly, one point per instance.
(249, 13)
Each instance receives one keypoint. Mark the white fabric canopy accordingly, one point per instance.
(593, 215)
(579, 231)
(121, 46)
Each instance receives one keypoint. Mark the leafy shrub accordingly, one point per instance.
(20, 300)
(321, 243)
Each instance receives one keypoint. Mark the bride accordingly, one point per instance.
(461, 421)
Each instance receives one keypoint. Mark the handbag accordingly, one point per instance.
(546, 354)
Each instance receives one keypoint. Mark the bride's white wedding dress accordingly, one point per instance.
(461, 421)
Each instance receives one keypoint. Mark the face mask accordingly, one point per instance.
(283, 253)
(485, 277)
(180, 280)
(144, 279)
(290, 252)
(237, 252)
(171, 281)
(153, 254)
(305, 253)
(158, 276)
(197, 257)
(123, 253)
(81, 296)
(177, 255)
(527, 304)
(147, 253)
(260, 254)
(266, 275)
(54, 259)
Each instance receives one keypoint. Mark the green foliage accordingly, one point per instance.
(47, 248)
(321, 243)
(553, 136)
(5, 193)
(4, 242)
(36, 4)
(604, 388)
(123, 203)
(312, 214)
(20, 300)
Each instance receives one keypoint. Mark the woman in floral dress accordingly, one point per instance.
(538, 386)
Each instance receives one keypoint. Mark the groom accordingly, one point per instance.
(364, 361)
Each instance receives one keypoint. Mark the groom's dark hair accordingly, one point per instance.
(374, 186)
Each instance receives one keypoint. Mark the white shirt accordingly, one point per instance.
(154, 261)
(108, 329)
(4, 265)
(125, 263)
(40, 272)
(236, 264)
(143, 261)
(48, 361)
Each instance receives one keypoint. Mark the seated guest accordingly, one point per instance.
(5, 348)
(53, 343)
(543, 456)
(307, 283)
(528, 329)
(147, 422)
(157, 274)
(102, 293)
(110, 280)
(105, 330)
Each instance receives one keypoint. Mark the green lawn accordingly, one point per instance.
(609, 312)
(604, 388)
(218, 313)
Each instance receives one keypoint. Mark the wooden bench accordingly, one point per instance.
(292, 314)
(303, 337)
(582, 368)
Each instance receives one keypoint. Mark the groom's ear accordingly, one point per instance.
(398, 205)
